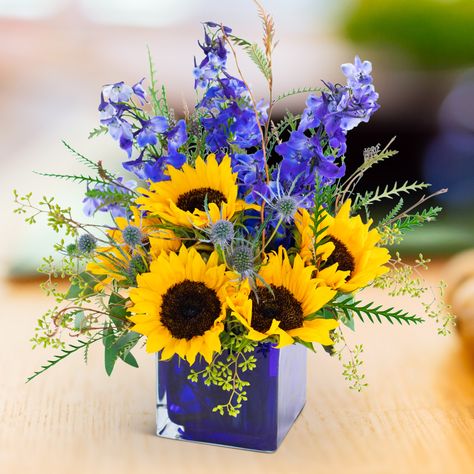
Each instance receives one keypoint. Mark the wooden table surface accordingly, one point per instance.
(416, 416)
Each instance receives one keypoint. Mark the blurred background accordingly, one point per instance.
(56, 54)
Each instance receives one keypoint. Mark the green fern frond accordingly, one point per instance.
(393, 213)
(387, 193)
(412, 221)
(98, 131)
(159, 101)
(296, 91)
(348, 306)
(255, 53)
(79, 157)
(71, 349)
(76, 178)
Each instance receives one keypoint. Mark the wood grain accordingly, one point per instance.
(416, 416)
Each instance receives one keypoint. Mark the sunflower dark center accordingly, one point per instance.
(342, 256)
(281, 305)
(195, 199)
(189, 309)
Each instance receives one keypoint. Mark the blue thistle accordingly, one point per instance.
(132, 236)
(222, 232)
(86, 243)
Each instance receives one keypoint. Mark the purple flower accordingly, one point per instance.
(150, 128)
(342, 108)
(209, 70)
(251, 177)
(118, 92)
(304, 155)
(177, 136)
(139, 91)
(357, 74)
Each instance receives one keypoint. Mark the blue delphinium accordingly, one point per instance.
(131, 127)
(326, 120)
(228, 116)
(150, 128)
(114, 103)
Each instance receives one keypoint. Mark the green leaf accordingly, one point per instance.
(81, 158)
(387, 193)
(412, 221)
(82, 286)
(119, 347)
(76, 178)
(79, 320)
(129, 359)
(110, 354)
(373, 313)
(117, 310)
(299, 90)
(71, 349)
(308, 345)
(98, 131)
(256, 54)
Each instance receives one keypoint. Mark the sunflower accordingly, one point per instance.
(350, 258)
(181, 200)
(110, 264)
(180, 305)
(286, 305)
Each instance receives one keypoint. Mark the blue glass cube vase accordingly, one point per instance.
(276, 396)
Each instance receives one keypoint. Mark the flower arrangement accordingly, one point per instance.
(236, 234)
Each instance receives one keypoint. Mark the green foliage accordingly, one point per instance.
(158, 97)
(393, 213)
(123, 198)
(256, 54)
(363, 201)
(117, 345)
(372, 156)
(226, 368)
(411, 221)
(322, 200)
(296, 91)
(440, 312)
(347, 305)
(117, 310)
(79, 178)
(82, 286)
(351, 361)
(102, 130)
(403, 279)
(59, 218)
(392, 230)
(81, 158)
(66, 352)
